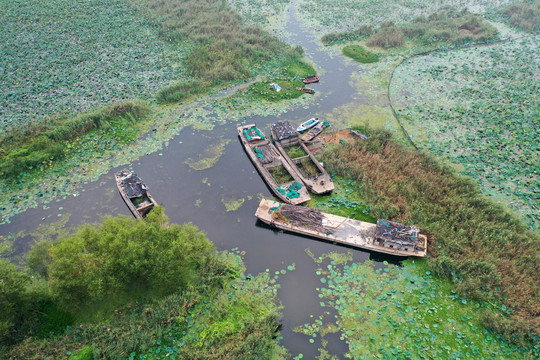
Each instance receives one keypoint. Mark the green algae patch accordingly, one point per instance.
(232, 204)
(359, 54)
(400, 312)
(209, 158)
(262, 90)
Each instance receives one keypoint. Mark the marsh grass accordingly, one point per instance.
(359, 54)
(524, 15)
(280, 174)
(29, 146)
(445, 26)
(488, 252)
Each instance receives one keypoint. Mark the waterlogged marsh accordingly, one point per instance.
(479, 108)
(398, 312)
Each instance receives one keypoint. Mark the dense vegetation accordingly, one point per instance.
(34, 146)
(136, 288)
(224, 48)
(445, 26)
(482, 105)
(400, 312)
(359, 54)
(525, 15)
(488, 253)
(62, 57)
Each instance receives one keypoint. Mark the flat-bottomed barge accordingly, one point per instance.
(386, 237)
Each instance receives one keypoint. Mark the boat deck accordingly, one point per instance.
(338, 229)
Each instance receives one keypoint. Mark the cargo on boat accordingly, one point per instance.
(311, 79)
(274, 169)
(315, 131)
(135, 193)
(301, 159)
(386, 237)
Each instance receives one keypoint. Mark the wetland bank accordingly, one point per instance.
(334, 302)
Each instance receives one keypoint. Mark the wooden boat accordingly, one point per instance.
(314, 131)
(301, 159)
(307, 124)
(359, 234)
(311, 79)
(135, 193)
(306, 90)
(274, 169)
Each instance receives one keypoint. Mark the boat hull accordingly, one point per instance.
(349, 232)
(263, 170)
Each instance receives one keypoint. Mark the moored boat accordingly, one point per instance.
(301, 159)
(308, 124)
(135, 193)
(274, 169)
(384, 237)
(311, 79)
(306, 90)
(315, 131)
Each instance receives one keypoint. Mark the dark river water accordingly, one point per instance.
(178, 187)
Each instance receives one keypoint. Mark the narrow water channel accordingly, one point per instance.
(196, 196)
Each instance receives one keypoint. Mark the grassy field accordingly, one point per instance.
(488, 253)
(63, 57)
(400, 313)
(479, 108)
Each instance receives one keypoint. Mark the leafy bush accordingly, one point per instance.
(525, 15)
(488, 252)
(359, 54)
(122, 259)
(13, 298)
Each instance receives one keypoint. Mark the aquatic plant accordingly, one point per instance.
(401, 312)
(359, 54)
(481, 103)
(487, 251)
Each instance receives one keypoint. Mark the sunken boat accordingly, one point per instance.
(311, 79)
(315, 131)
(135, 193)
(386, 237)
(301, 159)
(274, 169)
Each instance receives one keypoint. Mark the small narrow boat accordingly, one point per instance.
(308, 124)
(306, 90)
(135, 193)
(386, 237)
(311, 79)
(314, 131)
(301, 159)
(274, 169)
(358, 134)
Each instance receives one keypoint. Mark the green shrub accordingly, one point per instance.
(386, 38)
(359, 54)
(122, 259)
(86, 353)
(13, 298)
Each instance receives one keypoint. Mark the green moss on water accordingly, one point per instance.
(359, 54)
(209, 157)
(232, 204)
